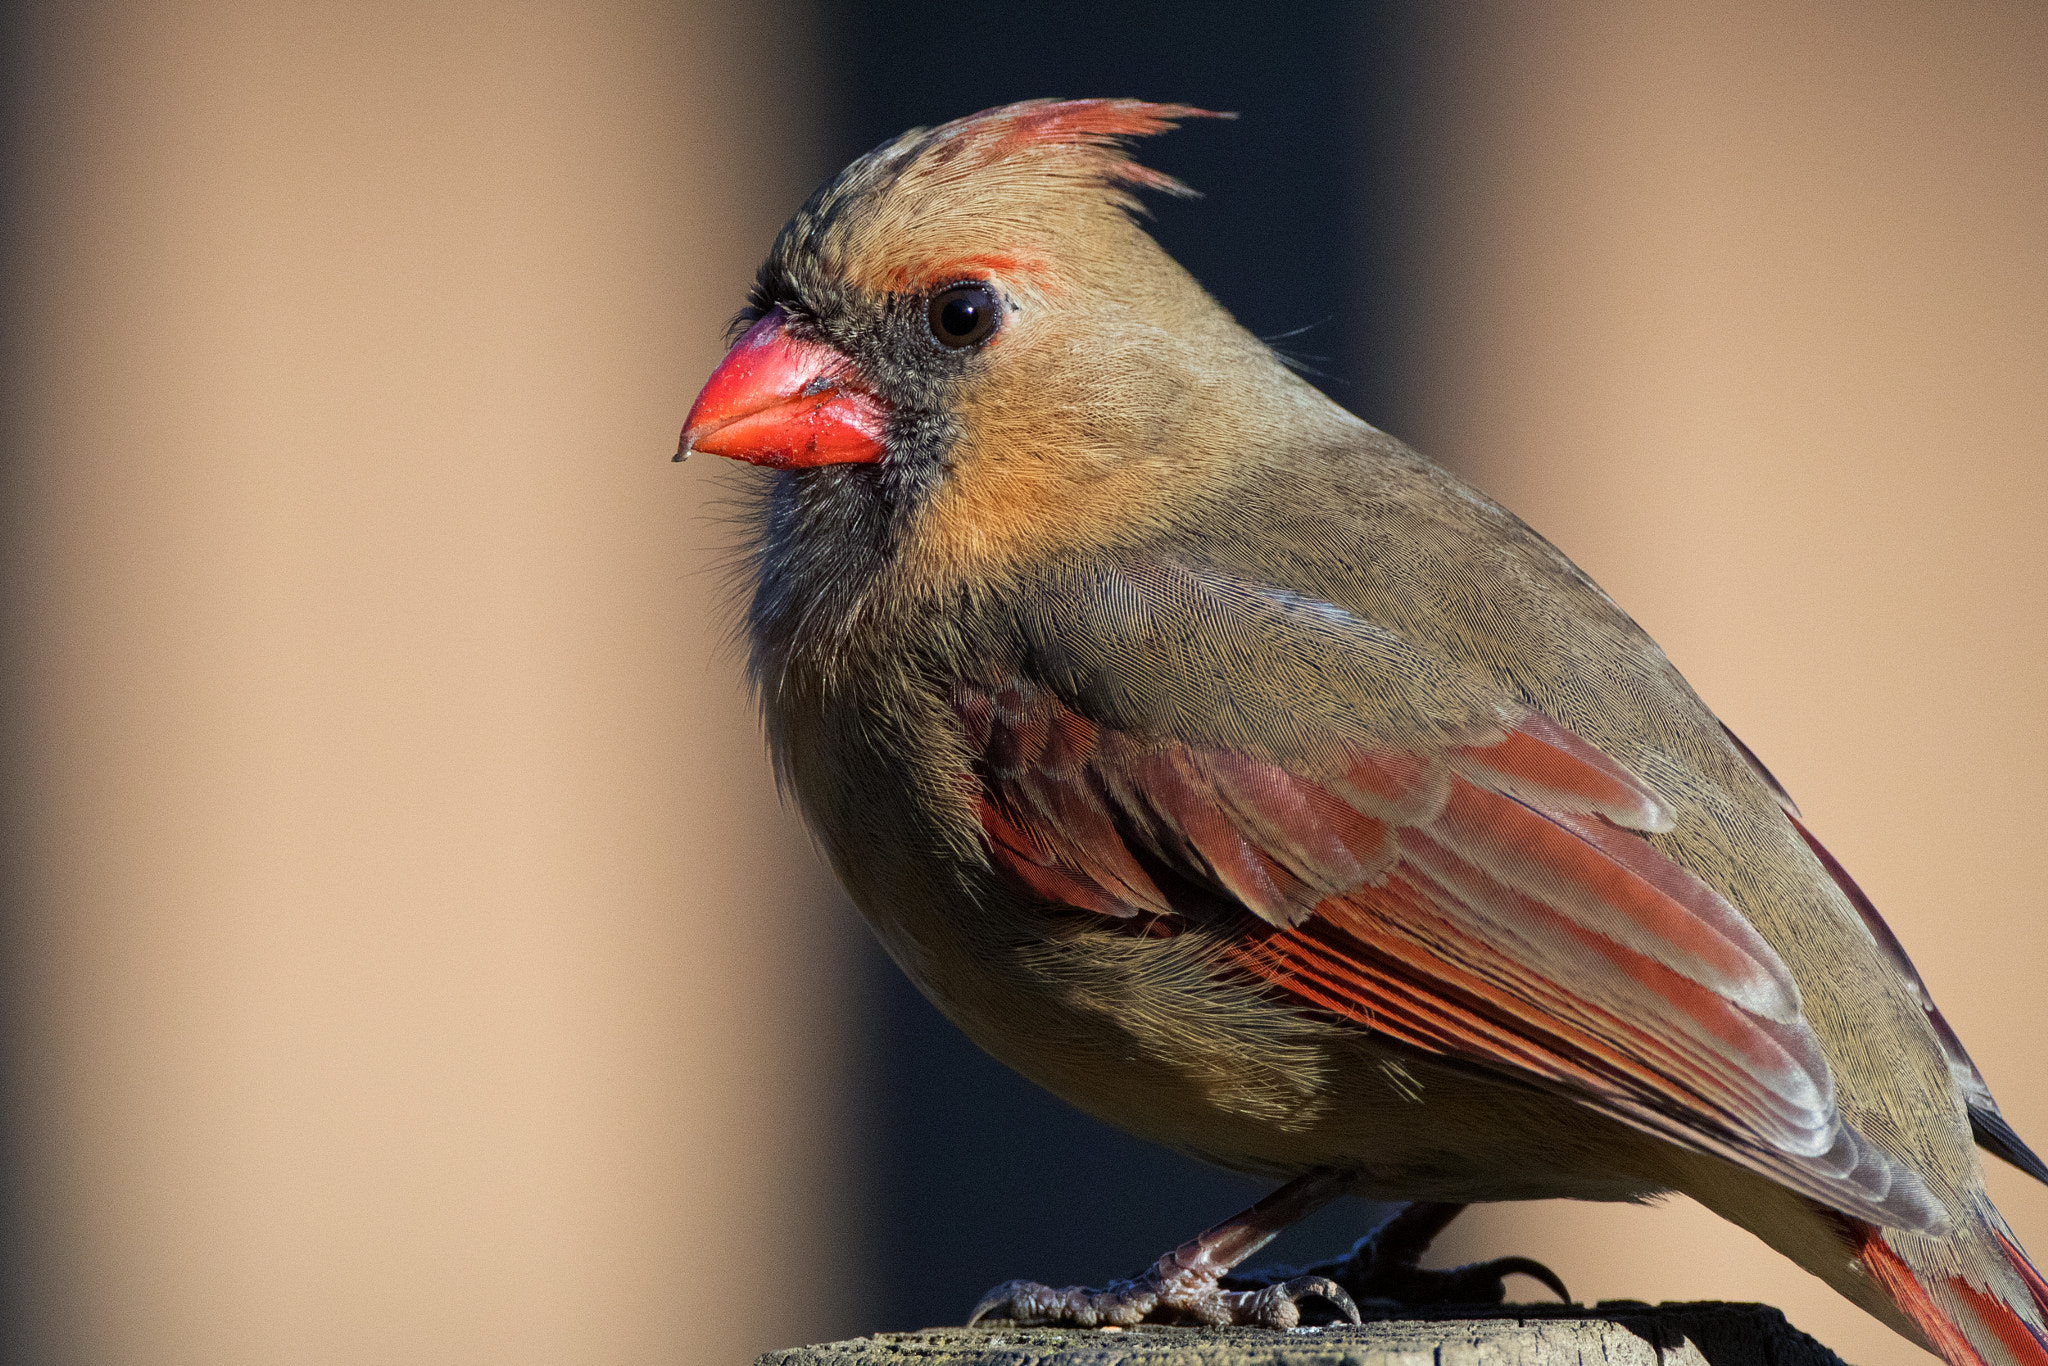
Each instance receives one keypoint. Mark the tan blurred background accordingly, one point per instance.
(413, 964)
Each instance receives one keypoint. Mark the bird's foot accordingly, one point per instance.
(1186, 1285)
(1382, 1268)
(1178, 1296)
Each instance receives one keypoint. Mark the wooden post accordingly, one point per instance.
(1614, 1333)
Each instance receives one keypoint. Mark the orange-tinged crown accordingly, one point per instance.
(982, 190)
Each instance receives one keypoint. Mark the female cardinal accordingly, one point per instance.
(1227, 768)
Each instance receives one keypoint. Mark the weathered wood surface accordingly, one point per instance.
(1615, 1333)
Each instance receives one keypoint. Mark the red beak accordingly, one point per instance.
(785, 403)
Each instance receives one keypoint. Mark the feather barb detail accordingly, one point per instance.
(1098, 125)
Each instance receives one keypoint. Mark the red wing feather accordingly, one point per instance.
(1481, 902)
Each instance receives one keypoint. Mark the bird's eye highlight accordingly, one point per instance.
(963, 315)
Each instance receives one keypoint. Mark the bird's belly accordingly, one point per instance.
(1148, 1034)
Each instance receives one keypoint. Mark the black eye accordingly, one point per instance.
(963, 315)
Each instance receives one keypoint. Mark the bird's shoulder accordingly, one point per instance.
(1345, 591)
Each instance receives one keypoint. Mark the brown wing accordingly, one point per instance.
(1487, 901)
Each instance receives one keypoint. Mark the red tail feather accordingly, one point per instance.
(1947, 1317)
(2036, 1286)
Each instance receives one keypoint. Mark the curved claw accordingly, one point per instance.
(1382, 1269)
(1323, 1286)
(994, 1300)
(1500, 1268)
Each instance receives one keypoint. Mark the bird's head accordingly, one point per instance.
(968, 330)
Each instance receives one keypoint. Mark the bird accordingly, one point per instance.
(1251, 782)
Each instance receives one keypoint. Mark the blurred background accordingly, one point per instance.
(407, 960)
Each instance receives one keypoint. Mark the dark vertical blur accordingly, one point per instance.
(15, 1344)
(978, 1175)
